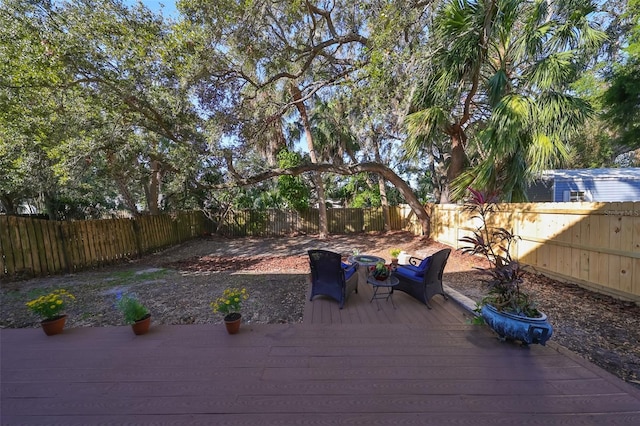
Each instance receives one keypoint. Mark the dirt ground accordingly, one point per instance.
(178, 285)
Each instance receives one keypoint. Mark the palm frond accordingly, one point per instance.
(497, 86)
(553, 70)
(423, 126)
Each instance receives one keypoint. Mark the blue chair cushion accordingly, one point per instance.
(409, 272)
(424, 265)
(348, 272)
(421, 268)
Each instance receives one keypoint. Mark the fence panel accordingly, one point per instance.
(7, 261)
(242, 223)
(596, 245)
(36, 247)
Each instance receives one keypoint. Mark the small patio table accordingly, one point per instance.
(377, 284)
(365, 261)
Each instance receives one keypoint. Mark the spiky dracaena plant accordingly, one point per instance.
(505, 274)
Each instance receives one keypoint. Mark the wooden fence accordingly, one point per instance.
(596, 245)
(269, 223)
(35, 247)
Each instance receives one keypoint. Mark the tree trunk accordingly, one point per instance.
(121, 182)
(152, 190)
(50, 205)
(383, 193)
(7, 202)
(458, 160)
(317, 176)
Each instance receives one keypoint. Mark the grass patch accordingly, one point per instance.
(131, 276)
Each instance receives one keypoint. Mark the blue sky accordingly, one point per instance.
(167, 7)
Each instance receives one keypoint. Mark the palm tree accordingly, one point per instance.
(497, 86)
(333, 138)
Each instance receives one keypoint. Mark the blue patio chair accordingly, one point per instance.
(330, 277)
(422, 278)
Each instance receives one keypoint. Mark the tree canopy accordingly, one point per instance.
(271, 103)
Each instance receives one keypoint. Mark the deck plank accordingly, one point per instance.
(324, 373)
(357, 366)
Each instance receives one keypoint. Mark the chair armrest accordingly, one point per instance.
(348, 268)
(414, 261)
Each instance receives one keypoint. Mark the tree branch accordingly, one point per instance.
(345, 170)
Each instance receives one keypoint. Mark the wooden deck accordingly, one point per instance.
(358, 366)
(359, 309)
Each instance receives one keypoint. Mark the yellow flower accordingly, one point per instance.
(50, 305)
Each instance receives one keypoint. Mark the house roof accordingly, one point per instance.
(628, 173)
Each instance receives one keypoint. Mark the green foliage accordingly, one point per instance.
(505, 275)
(106, 106)
(355, 191)
(92, 103)
(293, 188)
(622, 99)
(130, 307)
(592, 146)
(381, 271)
(497, 85)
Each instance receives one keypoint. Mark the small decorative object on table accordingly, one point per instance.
(395, 252)
(229, 305)
(381, 271)
(508, 310)
(50, 308)
(135, 313)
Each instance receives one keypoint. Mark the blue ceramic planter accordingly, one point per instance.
(525, 329)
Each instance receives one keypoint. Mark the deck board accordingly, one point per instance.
(301, 374)
(360, 309)
(355, 366)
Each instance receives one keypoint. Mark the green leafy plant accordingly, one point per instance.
(230, 302)
(381, 271)
(395, 252)
(131, 308)
(505, 275)
(50, 306)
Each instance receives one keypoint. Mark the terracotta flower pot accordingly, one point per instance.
(142, 326)
(232, 322)
(54, 326)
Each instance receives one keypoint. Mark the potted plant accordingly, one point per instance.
(507, 309)
(229, 305)
(381, 271)
(50, 307)
(395, 252)
(135, 313)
